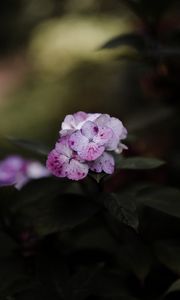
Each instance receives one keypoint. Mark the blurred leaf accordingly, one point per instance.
(72, 210)
(168, 253)
(48, 205)
(175, 287)
(8, 245)
(123, 297)
(53, 273)
(54, 214)
(137, 258)
(97, 176)
(121, 208)
(81, 283)
(164, 52)
(164, 199)
(130, 39)
(32, 146)
(139, 163)
(17, 287)
(12, 276)
(111, 284)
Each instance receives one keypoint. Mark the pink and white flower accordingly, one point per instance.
(76, 121)
(105, 163)
(17, 171)
(85, 143)
(90, 141)
(64, 162)
(119, 131)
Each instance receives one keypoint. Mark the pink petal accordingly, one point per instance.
(6, 178)
(119, 131)
(80, 116)
(120, 148)
(77, 170)
(91, 152)
(21, 180)
(103, 136)
(65, 132)
(103, 120)
(14, 163)
(89, 129)
(104, 163)
(57, 163)
(68, 123)
(77, 141)
(93, 116)
(36, 170)
(124, 134)
(62, 146)
(9, 168)
(74, 122)
(112, 143)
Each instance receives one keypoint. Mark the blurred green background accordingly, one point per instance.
(55, 59)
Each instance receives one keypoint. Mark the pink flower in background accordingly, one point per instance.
(85, 143)
(64, 162)
(14, 170)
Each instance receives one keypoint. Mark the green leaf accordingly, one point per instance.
(164, 199)
(59, 213)
(97, 176)
(8, 245)
(49, 205)
(122, 208)
(136, 257)
(32, 146)
(139, 163)
(12, 276)
(81, 283)
(175, 287)
(168, 253)
(134, 40)
(111, 284)
(68, 212)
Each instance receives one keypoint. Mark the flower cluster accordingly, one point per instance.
(17, 171)
(85, 143)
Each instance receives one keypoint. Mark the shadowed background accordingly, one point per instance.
(58, 57)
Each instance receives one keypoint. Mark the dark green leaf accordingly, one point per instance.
(54, 214)
(140, 163)
(97, 176)
(175, 287)
(68, 212)
(32, 146)
(81, 283)
(122, 208)
(130, 39)
(111, 284)
(8, 245)
(164, 52)
(164, 199)
(49, 205)
(168, 253)
(137, 258)
(12, 276)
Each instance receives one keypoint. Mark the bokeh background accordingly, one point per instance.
(118, 57)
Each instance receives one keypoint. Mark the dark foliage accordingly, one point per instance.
(69, 240)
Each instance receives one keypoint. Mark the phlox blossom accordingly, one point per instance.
(87, 142)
